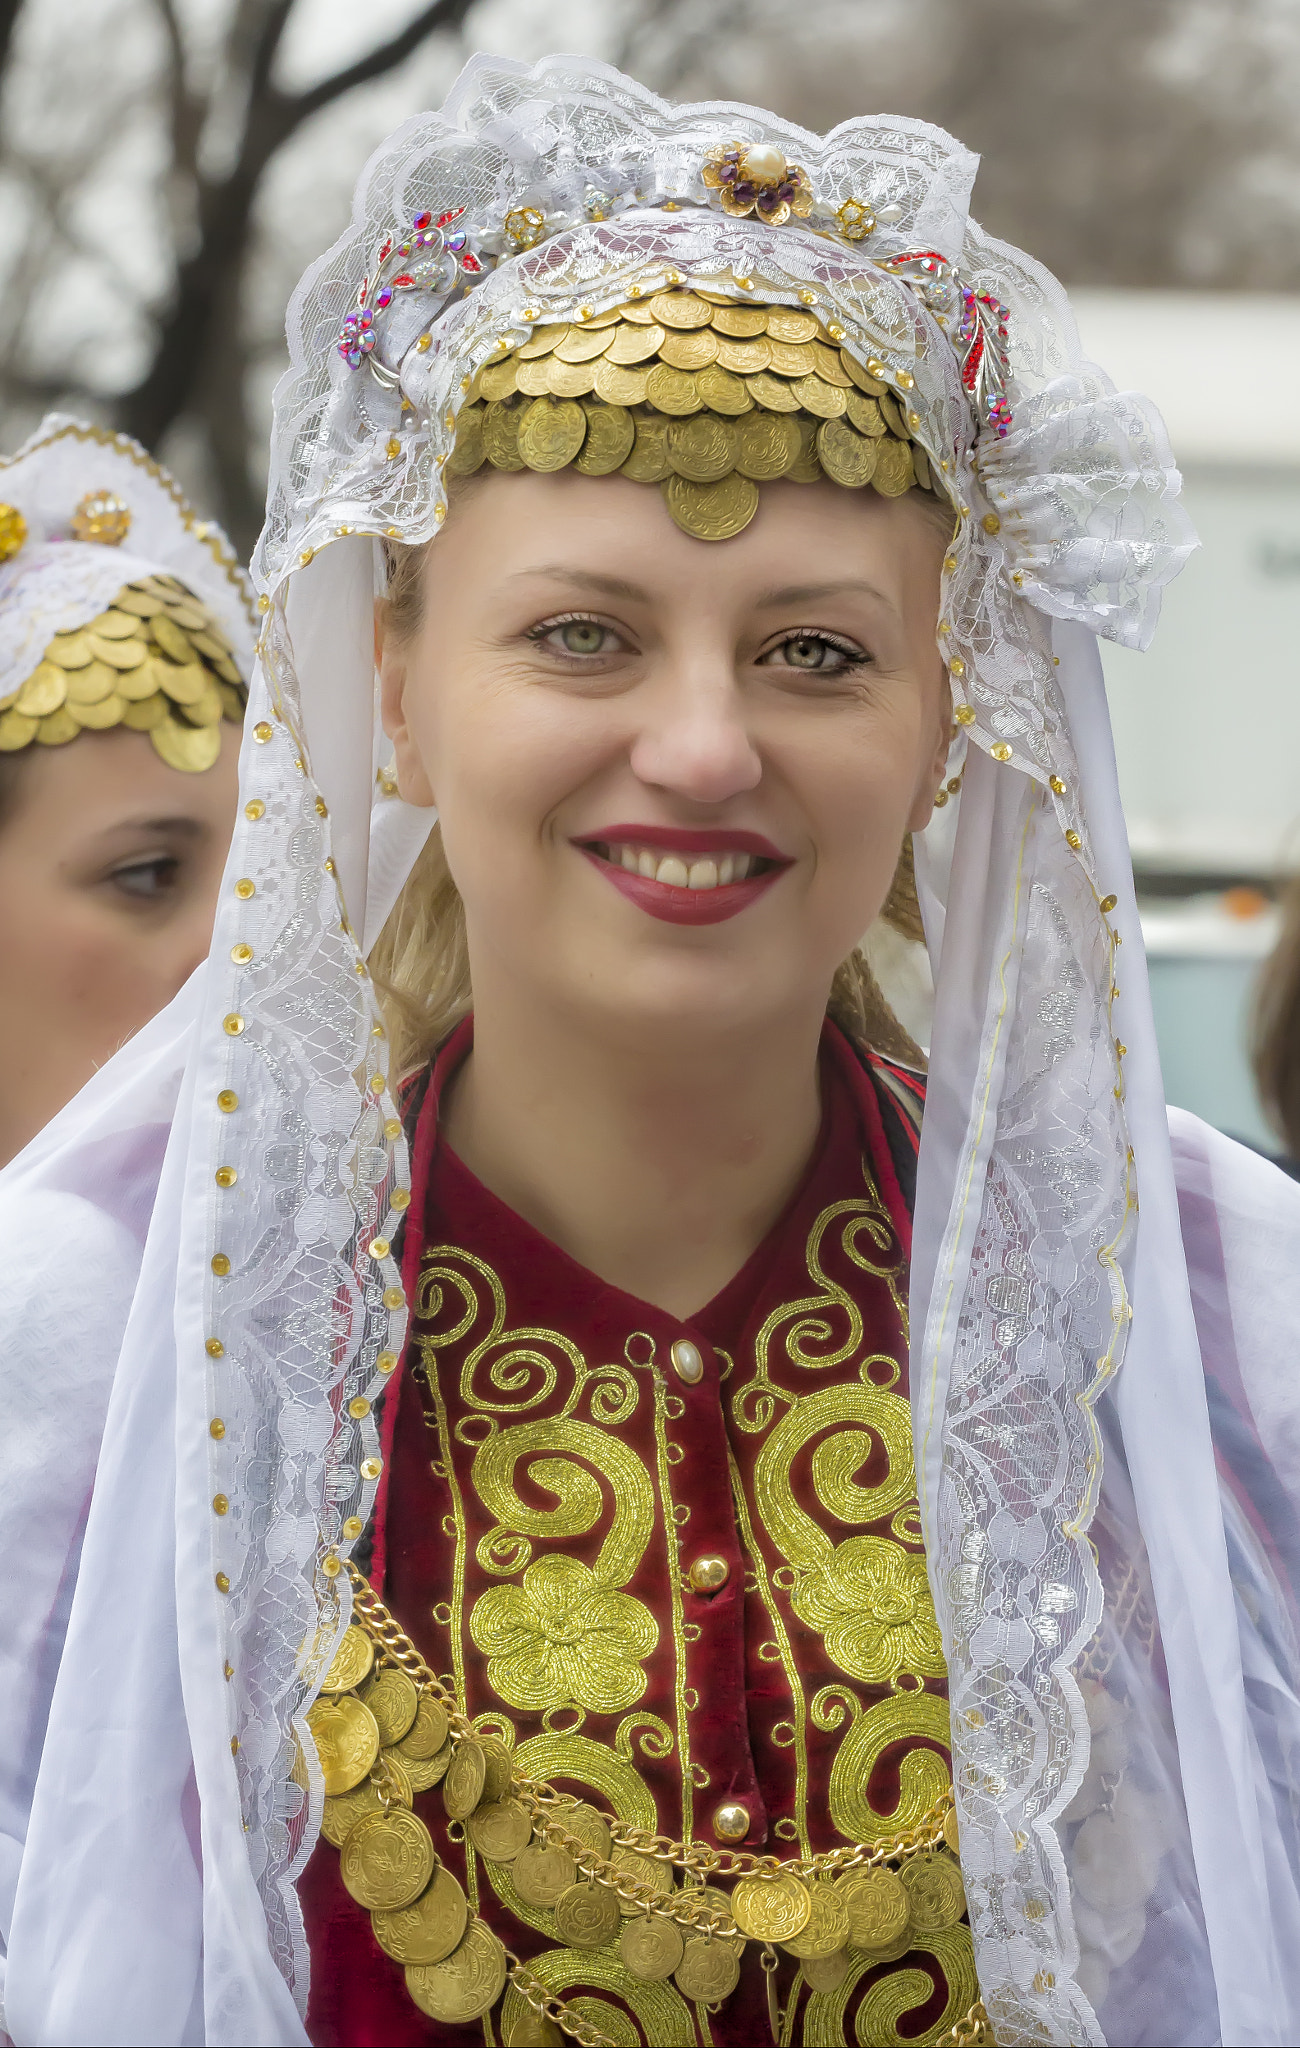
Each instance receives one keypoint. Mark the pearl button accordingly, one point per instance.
(687, 1363)
(709, 1574)
(731, 1821)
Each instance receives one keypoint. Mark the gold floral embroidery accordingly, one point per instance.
(871, 1603)
(562, 1638)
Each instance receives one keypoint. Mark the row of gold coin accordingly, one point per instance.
(707, 397)
(156, 661)
(382, 1739)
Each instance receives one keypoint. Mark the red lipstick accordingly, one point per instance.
(674, 903)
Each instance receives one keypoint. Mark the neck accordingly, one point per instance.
(659, 1166)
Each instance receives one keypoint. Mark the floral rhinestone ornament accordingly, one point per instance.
(428, 257)
(757, 178)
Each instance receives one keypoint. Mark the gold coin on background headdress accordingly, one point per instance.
(826, 1973)
(744, 358)
(226, 669)
(872, 386)
(534, 378)
(70, 650)
(789, 359)
(847, 457)
(878, 1908)
(772, 393)
(691, 351)
(499, 1829)
(17, 730)
(711, 511)
(587, 1915)
(702, 448)
(648, 1870)
(921, 467)
(640, 313)
(891, 415)
(498, 380)
(138, 602)
(387, 1859)
(212, 642)
(124, 654)
(651, 1947)
(428, 1731)
(806, 468)
(609, 318)
(935, 1892)
(189, 747)
(541, 1874)
(463, 1987)
(680, 310)
(827, 365)
(618, 385)
(828, 1924)
(116, 625)
(145, 713)
(633, 345)
(893, 472)
(785, 324)
(462, 1788)
(192, 617)
(170, 638)
(709, 1970)
(824, 401)
(57, 729)
(103, 713)
(501, 437)
(583, 344)
(393, 1701)
(184, 685)
(740, 323)
(344, 1731)
(44, 691)
(766, 445)
(865, 414)
(771, 1908)
(673, 391)
(232, 702)
(610, 434)
(205, 711)
(468, 452)
(342, 1813)
(648, 461)
(570, 380)
(723, 391)
(428, 1929)
(425, 1771)
(542, 340)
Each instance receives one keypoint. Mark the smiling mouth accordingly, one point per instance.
(678, 870)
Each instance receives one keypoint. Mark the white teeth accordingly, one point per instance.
(703, 874)
(647, 864)
(708, 872)
(628, 856)
(726, 869)
(673, 871)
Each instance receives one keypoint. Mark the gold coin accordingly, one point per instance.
(935, 1892)
(771, 1908)
(501, 437)
(208, 644)
(427, 1732)
(532, 2029)
(740, 323)
(184, 610)
(619, 386)
(429, 1928)
(951, 1833)
(648, 461)
(651, 1947)
(772, 393)
(542, 1874)
(789, 361)
(826, 1973)
(744, 358)
(425, 1771)
(116, 625)
(709, 1970)
(342, 1813)
(680, 309)
(827, 364)
(168, 588)
(144, 714)
(183, 685)
(711, 511)
(785, 324)
(106, 712)
(393, 1701)
(847, 457)
(647, 1870)
(806, 468)
(191, 748)
(468, 452)
(226, 669)
(893, 472)
(17, 730)
(587, 1915)
(570, 380)
(891, 415)
(583, 344)
(170, 638)
(825, 401)
(610, 434)
(864, 413)
(45, 690)
(462, 1987)
(542, 340)
(206, 710)
(138, 602)
(69, 650)
(123, 654)
(57, 729)
(462, 1788)
(877, 1905)
(638, 312)
(551, 432)
(387, 1859)
(694, 350)
(635, 345)
(498, 380)
(232, 703)
(534, 379)
(591, 1828)
(672, 391)
(609, 318)
(921, 467)
(766, 445)
(497, 1767)
(722, 391)
(871, 385)
(702, 448)
(828, 1924)
(345, 1733)
(499, 1829)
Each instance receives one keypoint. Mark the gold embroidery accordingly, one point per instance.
(891, 1997)
(661, 2013)
(871, 1603)
(672, 1523)
(922, 1775)
(579, 1493)
(564, 1637)
(791, 1668)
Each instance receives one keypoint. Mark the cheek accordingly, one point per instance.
(507, 763)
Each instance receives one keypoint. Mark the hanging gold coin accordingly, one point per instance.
(847, 457)
(583, 344)
(610, 435)
(468, 454)
(590, 1827)
(673, 391)
(680, 310)
(425, 1772)
(709, 1970)
(542, 1874)
(531, 2029)
(712, 511)
(542, 341)
(387, 1859)
(342, 1812)
(766, 445)
(744, 358)
(785, 324)
(828, 1924)
(771, 1908)
(570, 380)
(648, 461)
(551, 433)
(693, 351)
(878, 1908)
(501, 437)
(462, 1788)
(45, 690)
(587, 1915)
(935, 1892)
(740, 323)
(499, 1829)
(428, 1731)
(772, 393)
(345, 1733)
(722, 391)
(619, 386)
(647, 1870)
(429, 1928)
(702, 448)
(893, 472)
(651, 1947)
(635, 345)
(787, 359)
(826, 1973)
(462, 1987)
(393, 1701)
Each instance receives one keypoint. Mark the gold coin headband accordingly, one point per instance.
(156, 661)
(696, 393)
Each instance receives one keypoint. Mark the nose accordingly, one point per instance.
(695, 741)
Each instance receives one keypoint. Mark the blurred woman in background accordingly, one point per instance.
(1275, 1048)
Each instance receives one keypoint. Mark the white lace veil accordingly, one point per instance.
(1124, 1798)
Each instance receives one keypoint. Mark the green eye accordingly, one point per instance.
(807, 653)
(582, 636)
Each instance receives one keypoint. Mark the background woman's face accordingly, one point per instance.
(673, 776)
(109, 868)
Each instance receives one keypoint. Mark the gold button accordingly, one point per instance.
(687, 1364)
(225, 1176)
(709, 1574)
(220, 1504)
(358, 1406)
(387, 1361)
(227, 1100)
(371, 1468)
(731, 1821)
(244, 888)
(222, 1583)
(220, 1264)
(216, 1427)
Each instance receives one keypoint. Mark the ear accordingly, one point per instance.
(936, 765)
(392, 663)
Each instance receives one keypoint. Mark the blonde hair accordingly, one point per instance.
(420, 961)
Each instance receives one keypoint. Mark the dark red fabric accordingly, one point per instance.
(735, 1697)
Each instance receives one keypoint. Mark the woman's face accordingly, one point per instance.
(673, 775)
(109, 867)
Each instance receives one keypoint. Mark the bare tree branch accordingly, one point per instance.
(438, 15)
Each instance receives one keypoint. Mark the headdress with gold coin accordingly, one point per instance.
(118, 605)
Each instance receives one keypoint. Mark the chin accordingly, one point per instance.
(692, 996)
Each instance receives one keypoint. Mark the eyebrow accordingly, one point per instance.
(585, 579)
(772, 600)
